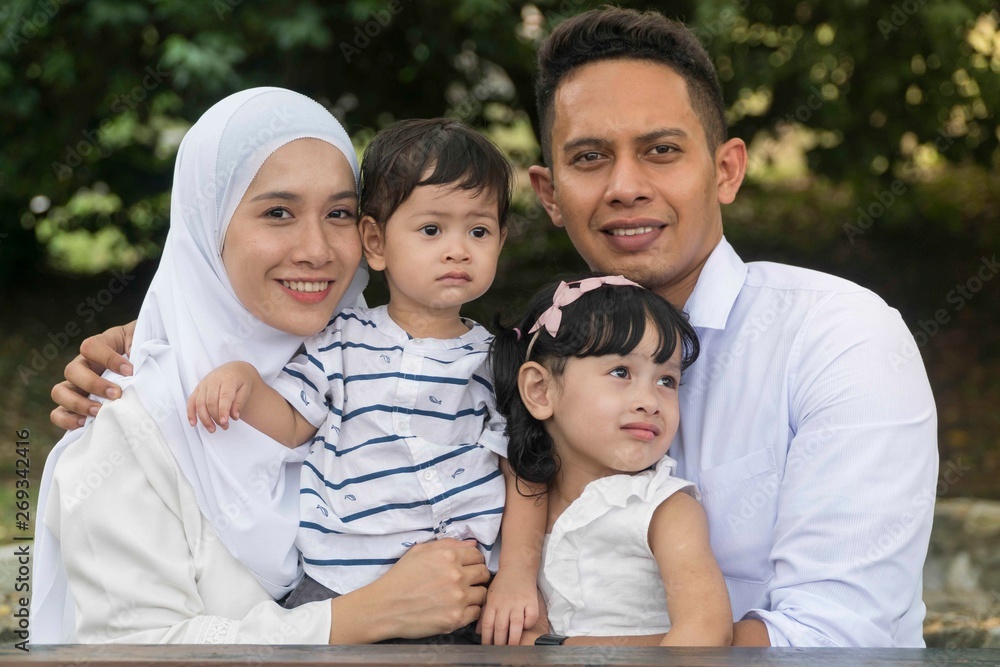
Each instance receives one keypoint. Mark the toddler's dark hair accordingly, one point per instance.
(397, 159)
(609, 320)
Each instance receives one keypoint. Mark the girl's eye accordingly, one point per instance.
(430, 230)
(620, 372)
(278, 213)
(480, 233)
(668, 381)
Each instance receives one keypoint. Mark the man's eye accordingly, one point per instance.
(430, 230)
(480, 233)
(589, 156)
(663, 150)
(620, 372)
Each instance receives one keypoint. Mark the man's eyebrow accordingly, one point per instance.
(584, 142)
(285, 195)
(663, 133)
(596, 142)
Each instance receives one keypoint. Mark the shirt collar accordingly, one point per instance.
(719, 284)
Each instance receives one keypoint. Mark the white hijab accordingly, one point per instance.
(247, 485)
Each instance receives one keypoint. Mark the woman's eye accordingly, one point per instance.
(342, 214)
(480, 233)
(430, 230)
(278, 213)
(620, 372)
(668, 381)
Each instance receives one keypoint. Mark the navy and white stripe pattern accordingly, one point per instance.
(406, 450)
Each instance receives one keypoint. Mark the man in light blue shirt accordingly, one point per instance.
(807, 421)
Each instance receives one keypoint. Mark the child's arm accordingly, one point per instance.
(697, 598)
(236, 390)
(512, 601)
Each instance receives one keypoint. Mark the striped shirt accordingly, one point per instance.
(407, 448)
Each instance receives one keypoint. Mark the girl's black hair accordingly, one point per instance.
(609, 320)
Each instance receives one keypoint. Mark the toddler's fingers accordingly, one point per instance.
(239, 401)
(486, 624)
(203, 415)
(500, 624)
(213, 406)
(226, 399)
(516, 625)
(192, 419)
(530, 614)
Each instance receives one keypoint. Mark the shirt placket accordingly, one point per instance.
(410, 391)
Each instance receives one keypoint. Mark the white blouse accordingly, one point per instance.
(598, 575)
(144, 564)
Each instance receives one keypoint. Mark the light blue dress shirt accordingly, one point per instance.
(809, 426)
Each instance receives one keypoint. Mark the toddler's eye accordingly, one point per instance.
(620, 372)
(430, 230)
(480, 233)
(668, 381)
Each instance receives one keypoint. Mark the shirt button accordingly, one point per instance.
(428, 475)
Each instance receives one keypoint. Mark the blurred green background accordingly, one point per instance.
(874, 156)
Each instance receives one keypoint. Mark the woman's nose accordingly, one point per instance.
(312, 246)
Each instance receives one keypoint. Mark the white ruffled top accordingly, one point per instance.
(598, 575)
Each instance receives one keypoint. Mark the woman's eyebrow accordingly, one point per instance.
(292, 196)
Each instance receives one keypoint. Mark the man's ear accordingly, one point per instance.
(536, 384)
(541, 181)
(730, 168)
(372, 242)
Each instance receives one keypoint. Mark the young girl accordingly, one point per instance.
(396, 399)
(587, 382)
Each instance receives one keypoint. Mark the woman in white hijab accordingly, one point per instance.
(154, 531)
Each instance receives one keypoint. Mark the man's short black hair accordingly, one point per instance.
(399, 157)
(613, 33)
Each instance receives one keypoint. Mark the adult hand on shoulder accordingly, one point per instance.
(436, 587)
(83, 376)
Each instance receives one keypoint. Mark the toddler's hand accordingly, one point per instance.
(221, 395)
(511, 606)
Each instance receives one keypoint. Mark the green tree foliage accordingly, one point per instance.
(98, 93)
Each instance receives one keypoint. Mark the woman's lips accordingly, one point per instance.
(306, 297)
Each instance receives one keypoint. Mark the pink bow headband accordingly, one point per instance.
(564, 295)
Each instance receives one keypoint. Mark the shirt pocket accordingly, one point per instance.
(740, 498)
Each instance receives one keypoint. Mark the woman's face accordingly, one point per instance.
(292, 246)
